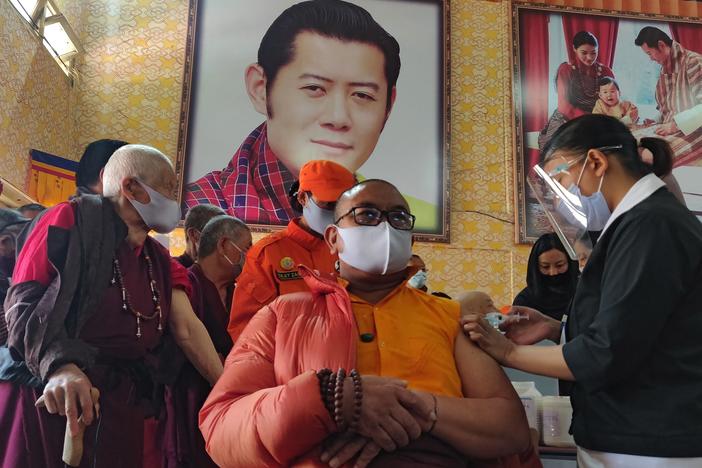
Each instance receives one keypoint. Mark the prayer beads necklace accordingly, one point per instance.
(126, 303)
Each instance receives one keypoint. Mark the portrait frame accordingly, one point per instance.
(188, 117)
(529, 223)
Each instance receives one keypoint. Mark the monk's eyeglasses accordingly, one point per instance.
(369, 216)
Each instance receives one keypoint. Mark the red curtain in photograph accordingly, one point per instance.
(603, 27)
(688, 35)
(533, 42)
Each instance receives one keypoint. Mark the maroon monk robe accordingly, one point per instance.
(183, 442)
(33, 438)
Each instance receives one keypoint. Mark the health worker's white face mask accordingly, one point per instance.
(380, 249)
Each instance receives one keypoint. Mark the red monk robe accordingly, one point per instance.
(31, 437)
(183, 443)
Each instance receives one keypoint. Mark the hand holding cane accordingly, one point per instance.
(73, 445)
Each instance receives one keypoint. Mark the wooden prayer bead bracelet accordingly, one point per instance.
(331, 388)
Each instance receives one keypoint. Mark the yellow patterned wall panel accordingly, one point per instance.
(482, 254)
(130, 78)
(36, 100)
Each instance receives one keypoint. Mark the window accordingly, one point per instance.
(56, 34)
(25, 7)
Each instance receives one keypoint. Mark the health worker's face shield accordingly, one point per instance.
(550, 183)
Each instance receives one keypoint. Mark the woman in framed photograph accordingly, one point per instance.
(577, 83)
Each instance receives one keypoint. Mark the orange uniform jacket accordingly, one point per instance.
(271, 270)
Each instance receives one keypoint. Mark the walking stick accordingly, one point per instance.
(73, 446)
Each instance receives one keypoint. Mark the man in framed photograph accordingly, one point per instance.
(325, 81)
(678, 92)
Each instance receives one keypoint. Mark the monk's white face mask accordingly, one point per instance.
(161, 214)
(380, 249)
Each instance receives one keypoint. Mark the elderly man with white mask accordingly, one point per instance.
(91, 299)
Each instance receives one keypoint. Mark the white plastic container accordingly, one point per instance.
(529, 395)
(557, 414)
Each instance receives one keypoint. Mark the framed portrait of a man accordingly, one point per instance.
(271, 85)
(644, 70)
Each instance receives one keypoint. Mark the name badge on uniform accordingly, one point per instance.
(288, 275)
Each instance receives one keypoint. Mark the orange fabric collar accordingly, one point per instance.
(357, 300)
(304, 238)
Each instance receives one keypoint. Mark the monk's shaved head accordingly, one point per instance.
(140, 161)
(222, 226)
(476, 302)
(376, 192)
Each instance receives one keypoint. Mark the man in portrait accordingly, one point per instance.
(325, 81)
(678, 93)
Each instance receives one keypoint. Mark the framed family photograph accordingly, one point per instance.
(643, 69)
(259, 102)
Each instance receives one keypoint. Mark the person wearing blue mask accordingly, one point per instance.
(632, 338)
(222, 247)
(419, 279)
(272, 267)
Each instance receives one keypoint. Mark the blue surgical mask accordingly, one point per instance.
(238, 267)
(594, 206)
(419, 280)
(317, 218)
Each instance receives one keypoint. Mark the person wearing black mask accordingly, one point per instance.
(551, 278)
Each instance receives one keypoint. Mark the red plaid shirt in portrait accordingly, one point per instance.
(253, 187)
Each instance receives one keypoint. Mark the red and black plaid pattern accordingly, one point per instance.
(253, 187)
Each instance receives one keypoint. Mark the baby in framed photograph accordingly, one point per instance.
(609, 103)
(325, 80)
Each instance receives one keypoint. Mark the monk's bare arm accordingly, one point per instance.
(192, 337)
(489, 421)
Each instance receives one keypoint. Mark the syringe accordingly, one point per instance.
(496, 318)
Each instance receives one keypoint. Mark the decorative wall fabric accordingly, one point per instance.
(604, 28)
(36, 102)
(131, 76)
(52, 179)
(688, 35)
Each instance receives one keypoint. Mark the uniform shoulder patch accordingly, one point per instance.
(287, 263)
